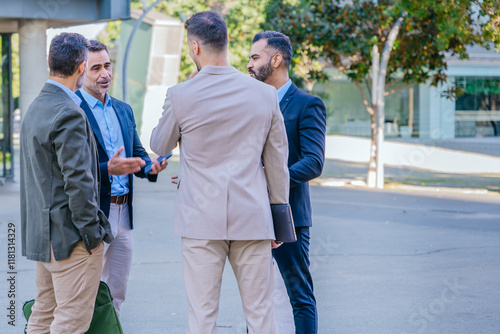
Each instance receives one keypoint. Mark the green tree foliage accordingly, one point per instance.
(110, 34)
(242, 17)
(343, 32)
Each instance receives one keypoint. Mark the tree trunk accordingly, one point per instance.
(376, 164)
(372, 163)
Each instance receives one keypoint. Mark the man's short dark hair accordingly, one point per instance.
(209, 28)
(96, 46)
(66, 52)
(278, 41)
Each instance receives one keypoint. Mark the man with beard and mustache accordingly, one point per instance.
(305, 122)
(62, 227)
(120, 156)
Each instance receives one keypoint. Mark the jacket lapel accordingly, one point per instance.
(287, 98)
(124, 126)
(92, 121)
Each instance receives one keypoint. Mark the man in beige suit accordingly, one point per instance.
(228, 125)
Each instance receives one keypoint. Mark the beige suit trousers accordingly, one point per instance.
(118, 254)
(66, 292)
(203, 265)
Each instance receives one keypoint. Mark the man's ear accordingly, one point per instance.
(277, 60)
(196, 47)
(81, 67)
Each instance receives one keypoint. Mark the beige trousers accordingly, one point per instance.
(66, 292)
(118, 254)
(203, 265)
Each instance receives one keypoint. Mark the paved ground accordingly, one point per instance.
(383, 262)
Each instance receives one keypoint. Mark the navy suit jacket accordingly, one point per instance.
(305, 122)
(133, 148)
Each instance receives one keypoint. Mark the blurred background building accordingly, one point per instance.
(424, 111)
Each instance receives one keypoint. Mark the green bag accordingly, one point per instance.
(104, 321)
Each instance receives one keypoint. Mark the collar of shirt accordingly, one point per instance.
(283, 89)
(92, 101)
(68, 91)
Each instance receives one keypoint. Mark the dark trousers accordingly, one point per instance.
(293, 262)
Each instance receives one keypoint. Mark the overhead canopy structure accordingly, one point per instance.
(60, 13)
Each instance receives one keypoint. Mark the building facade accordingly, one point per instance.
(424, 111)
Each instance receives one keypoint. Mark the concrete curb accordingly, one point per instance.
(332, 183)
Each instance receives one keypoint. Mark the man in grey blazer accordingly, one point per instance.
(62, 228)
(228, 125)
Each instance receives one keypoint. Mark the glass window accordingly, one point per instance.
(477, 107)
(478, 93)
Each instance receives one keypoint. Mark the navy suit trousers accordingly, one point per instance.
(293, 262)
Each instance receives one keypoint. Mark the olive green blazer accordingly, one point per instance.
(59, 179)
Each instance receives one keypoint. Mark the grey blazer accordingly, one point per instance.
(227, 124)
(59, 179)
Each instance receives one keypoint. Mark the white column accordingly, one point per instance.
(33, 68)
(447, 113)
(436, 113)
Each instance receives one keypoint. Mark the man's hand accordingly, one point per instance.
(175, 179)
(275, 244)
(124, 166)
(157, 167)
(94, 249)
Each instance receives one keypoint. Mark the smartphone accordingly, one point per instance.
(160, 160)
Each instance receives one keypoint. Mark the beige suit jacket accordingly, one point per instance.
(227, 124)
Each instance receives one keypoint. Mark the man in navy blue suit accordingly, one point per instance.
(120, 155)
(305, 122)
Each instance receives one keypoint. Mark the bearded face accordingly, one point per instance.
(263, 72)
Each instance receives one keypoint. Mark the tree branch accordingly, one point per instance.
(365, 101)
(389, 85)
(368, 83)
(395, 90)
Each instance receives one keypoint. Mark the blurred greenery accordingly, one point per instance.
(342, 34)
(242, 17)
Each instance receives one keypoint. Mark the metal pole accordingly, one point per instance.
(129, 44)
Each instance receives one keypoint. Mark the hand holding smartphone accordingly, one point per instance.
(160, 159)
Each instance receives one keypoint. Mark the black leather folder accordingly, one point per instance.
(284, 229)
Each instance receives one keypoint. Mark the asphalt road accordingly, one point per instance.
(382, 262)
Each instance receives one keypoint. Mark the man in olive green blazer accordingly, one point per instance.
(62, 227)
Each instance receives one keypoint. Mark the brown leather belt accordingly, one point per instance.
(119, 199)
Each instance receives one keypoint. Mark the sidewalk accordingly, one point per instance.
(343, 173)
(461, 156)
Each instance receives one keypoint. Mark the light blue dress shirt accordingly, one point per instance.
(68, 91)
(283, 89)
(112, 135)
